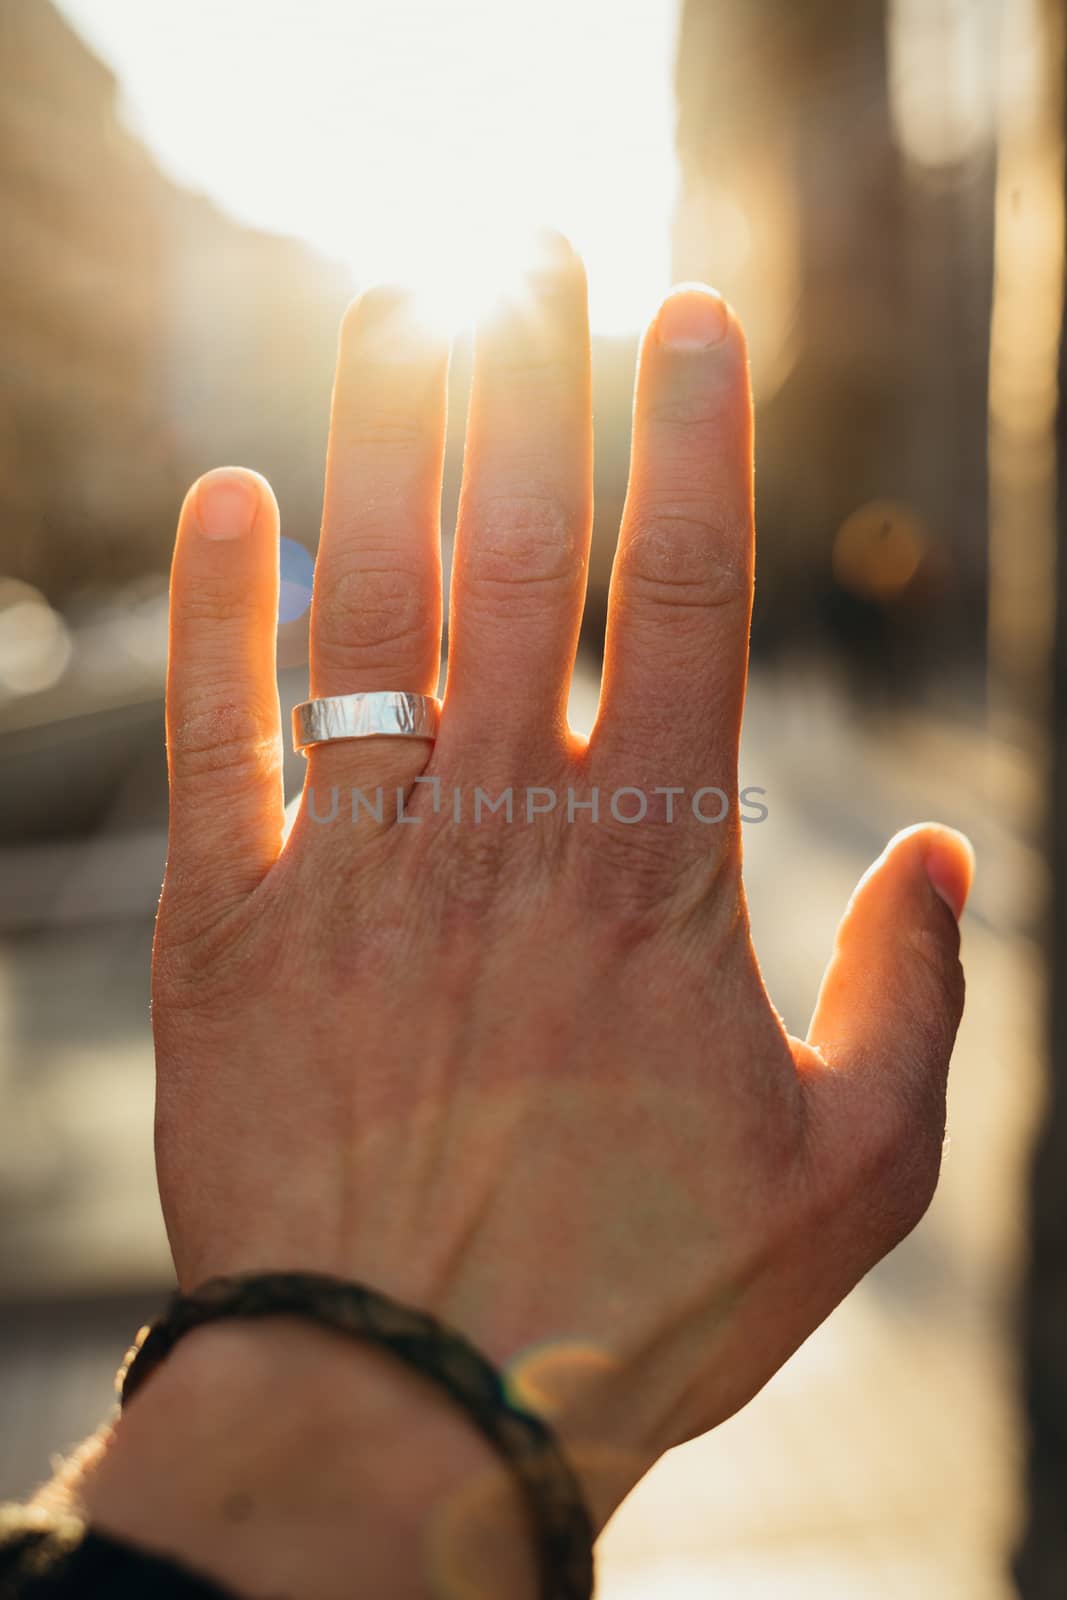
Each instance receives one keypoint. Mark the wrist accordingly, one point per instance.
(278, 1456)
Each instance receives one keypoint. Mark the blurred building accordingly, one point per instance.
(837, 181)
(146, 338)
(146, 335)
(149, 337)
(89, 454)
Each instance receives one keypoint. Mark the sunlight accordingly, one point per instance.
(417, 142)
(483, 264)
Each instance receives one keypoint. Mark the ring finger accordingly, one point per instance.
(376, 611)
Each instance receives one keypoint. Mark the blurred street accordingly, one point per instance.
(878, 190)
(884, 1460)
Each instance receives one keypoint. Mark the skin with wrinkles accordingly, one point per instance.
(525, 1075)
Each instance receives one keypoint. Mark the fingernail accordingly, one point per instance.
(386, 321)
(548, 249)
(949, 862)
(226, 504)
(543, 271)
(692, 318)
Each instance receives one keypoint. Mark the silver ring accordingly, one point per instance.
(364, 716)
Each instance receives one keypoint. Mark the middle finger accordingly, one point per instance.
(522, 541)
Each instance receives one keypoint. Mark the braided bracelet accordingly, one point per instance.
(553, 1497)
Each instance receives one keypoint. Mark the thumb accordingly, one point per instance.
(890, 1003)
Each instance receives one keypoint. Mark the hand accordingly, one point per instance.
(525, 1074)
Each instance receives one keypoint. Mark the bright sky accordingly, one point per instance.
(407, 135)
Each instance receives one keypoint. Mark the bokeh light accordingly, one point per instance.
(878, 549)
(35, 644)
(297, 576)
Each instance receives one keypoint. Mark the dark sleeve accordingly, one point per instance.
(44, 1556)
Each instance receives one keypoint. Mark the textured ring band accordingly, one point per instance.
(392, 712)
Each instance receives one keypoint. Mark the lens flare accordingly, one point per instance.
(477, 267)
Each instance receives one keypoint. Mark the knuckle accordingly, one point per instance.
(184, 944)
(539, 376)
(473, 876)
(385, 429)
(632, 871)
(938, 964)
(369, 608)
(902, 1157)
(684, 560)
(633, 864)
(230, 740)
(211, 600)
(681, 410)
(911, 1186)
(521, 543)
(476, 882)
(201, 959)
